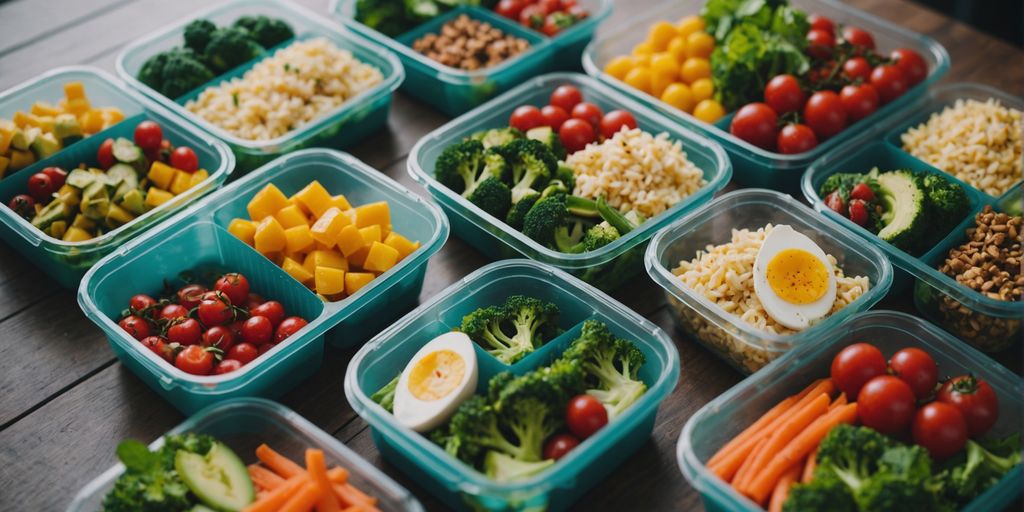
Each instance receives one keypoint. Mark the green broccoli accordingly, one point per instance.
(230, 47)
(568, 238)
(472, 430)
(175, 72)
(532, 165)
(531, 321)
(550, 138)
(459, 165)
(566, 175)
(497, 136)
(948, 204)
(532, 406)
(824, 492)
(611, 365)
(467, 168)
(520, 208)
(980, 467)
(492, 196)
(197, 35)
(385, 396)
(597, 237)
(266, 31)
(541, 221)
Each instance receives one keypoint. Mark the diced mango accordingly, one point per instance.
(198, 177)
(342, 203)
(349, 240)
(315, 198)
(325, 258)
(182, 181)
(156, 197)
(269, 236)
(46, 123)
(373, 214)
(371, 234)
(21, 159)
(6, 134)
(329, 281)
(356, 280)
(58, 228)
(74, 234)
(42, 108)
(298, 239)
(358, 258)
(380, 258)
(266, 202)
(325, 230)
(400, 244)
(74, 91)
(90, 120)
(112, 116)
(243, 230)
(291, 216)
(296, 270)
(161, 174)
(23, 119)
(79, 106)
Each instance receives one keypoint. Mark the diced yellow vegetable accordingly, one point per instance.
(79, 106)
(156, 197)
(4, 164)
(24, 119)
(296, 270)
(371, 234)
(325, 258)
(269, 236)
(342, 203)
(21, 159)
(358, 258)
(243, 230)
(315, 198)
(291, 216)
(161, 174)
(58, 228)
(6, 134)
(380, 258)
(349, 240)
(400, 244)
(198, 177)
(329, 281)
(74, 91)
(325, 230)
(112, 116)
(182, 181)
(42, 108)
(90, 120)
(373, 214)
(298, 239)
(46, 123)
(74, 234)
(266, 202)
(356, 280)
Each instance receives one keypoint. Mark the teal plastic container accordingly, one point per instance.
(607, 267)
(67, 262)
(455, 91)
(349, 123)
(754, 166)
(456, 484)
(243, 424)
(198, 237)
(740, 344)
(724, 417)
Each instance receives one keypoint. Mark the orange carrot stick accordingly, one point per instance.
(275, 499)
(337, 475)
(838, 402)
(303, 500)
(781, 491)
(349, 496)
(812, 462)
(753, 429)
(743, 473)
(317, 468)
(264, 478)
(280, 464)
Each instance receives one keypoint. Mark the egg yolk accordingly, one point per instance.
(436, 375)
(797, 276)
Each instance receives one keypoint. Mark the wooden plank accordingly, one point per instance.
(23, 24)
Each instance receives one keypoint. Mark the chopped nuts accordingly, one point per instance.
(469, 44)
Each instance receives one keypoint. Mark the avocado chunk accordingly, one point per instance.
(219, 479)
(904, 204)
(95, 201)
(134, 201)
(45, 146)
(125, 178)
(67, 129)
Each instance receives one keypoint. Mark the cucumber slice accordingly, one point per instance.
(219, 479)
(126, 151)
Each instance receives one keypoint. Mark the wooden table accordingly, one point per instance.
(66, 401)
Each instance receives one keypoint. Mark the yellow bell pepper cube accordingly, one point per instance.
(291, 216)
(400, 244)
(380, 258)
(266, 202)
(91, 121)
(156, 197)
(161, 174)
(269, 236)
(79, 106)
(298, 239)
(356, 280)
(329, 281)
(243, 230)
(74, 91)
(182, 181)
(349, 240)
(198, 177)
(315, 198)
(296, 270)
(342, 203)
(325, 258)
(42, 108)
(373, 214)
(325, 230)
(371, 234)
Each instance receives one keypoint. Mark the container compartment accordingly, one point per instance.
(455, 483)
(740, 344)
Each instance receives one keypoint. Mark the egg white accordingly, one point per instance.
(422, 415)
(794, 316)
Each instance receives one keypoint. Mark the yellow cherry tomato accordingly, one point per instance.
(677, 47)
(708, 111)
(694, 69)
(679, 96)
(690, 24)
(661, 33)
(640, 78)
(699, 44)
(702, 88)
(619, 66)
(665, 64)
(641, 61)
(660, 82)
(643, 48)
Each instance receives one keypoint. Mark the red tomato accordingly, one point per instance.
(886, 404)
(855, 365)
(819, 22)
(220, 337)
(550, 6)
(824, 114)
(135, 326)
(588, 112)
(575, 134)
(159, 347)
(271, 309)
(41, 187)
(105, 155)
(253, 301)
(835, 203)
(532, 16)
(215, 309)
(236, 328)
(195, 360)
(889, 81)
(257, 330)
(917, 368)
(148, 136)
(863, 192)
(510, 8)
(243, 353)
(859, 212)
(142, 305)
(755, 123)
(57, 176)
(858, 37)
(553, 24)
(975, 400)
(559, 445)
(796, 138)
(859, 101)
(940, 428)
(526, 117)
(191, 294)
(585, 415)
(913, 66)
(173, 312)
(235, 286)
(23, 205)
(554, 116)
(857, 68)
(783, 94)
(566, 97)
(185, 331)
(185, 159)
(820, 43)
(613, 121)
(226, 366)
(288, 327)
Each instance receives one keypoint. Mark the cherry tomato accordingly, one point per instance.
(271, 309)
(755, 123)
(858, 37)
(855, 365)
(917, 368)
(195, 360)
(23, 205)
(159, 347)
(940, 429)
(41, 187)
(559, 445)
(243, 353)
(526, 117)
(588, 112)
(554, 23)
(288, 327)
(783, 94)
(185, 159)
(57, 176)
(824, 114)
(105, 155)
(257, 330)
(835, 203)
(886, 404)
(173, 312)
(613, 121)
(236, 328)
(859, 101)
(510, 8)
(554, 116)
(226, 366)
(190, 295)
(566, 97)
(863, 192)
(142, 305)
(796, 138)
(859, 212)
(913, 66)
(135, 326)
(220, 337)
(889, 81)
(186, 331)
(820, 43)
(857, 68)
(215, 309)
(253, 301)
(585, 415)
(550, 6)
(819, 22)
(532, 16)
(975, 400)
(235, 286)
(148, 136)
(575, 134)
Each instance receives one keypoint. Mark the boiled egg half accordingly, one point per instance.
(438, 378)
(793, 278)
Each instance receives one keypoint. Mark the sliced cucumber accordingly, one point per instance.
(219, 479)
(126, 151)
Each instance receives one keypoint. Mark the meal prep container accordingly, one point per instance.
(454, 91)
(757, 167)
(607, 267)
(243, 424)
(724, 417)
(198, 237)
(67, 262)
(740, 344)
(356, 118)
(455, 483)
(998, 321)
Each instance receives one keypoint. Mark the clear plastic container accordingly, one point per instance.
(67, 262)
(456, 484)
(198, 237)
(728, 414)
(350, 122)
(455, 91)
(756, 167)
(243, 424)
(607, 267)
(740, 344)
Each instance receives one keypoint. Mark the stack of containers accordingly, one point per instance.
(754, 166)
(938, 296)
(454, 91)
(198, 238)
(609, 266)
(347, 124)
(67, 262)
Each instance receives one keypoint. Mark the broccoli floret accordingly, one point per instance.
(266, 31)
(905, 216)
(467, 168)
(554, 187)
(385, 396)
(531, 321)
(458, 165)
(497, 136)
(853, 450)
(948, 203)
(981, 467)
(175, 72)
(821, 493)
(492, 196)
(520, 209)
(532, 165)
(561, 221)
(473, 430)
(197, 35)
(230, 47)
(611, 365)
(532, 407)
(597, 237)
(545, 216)
(569, 237)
